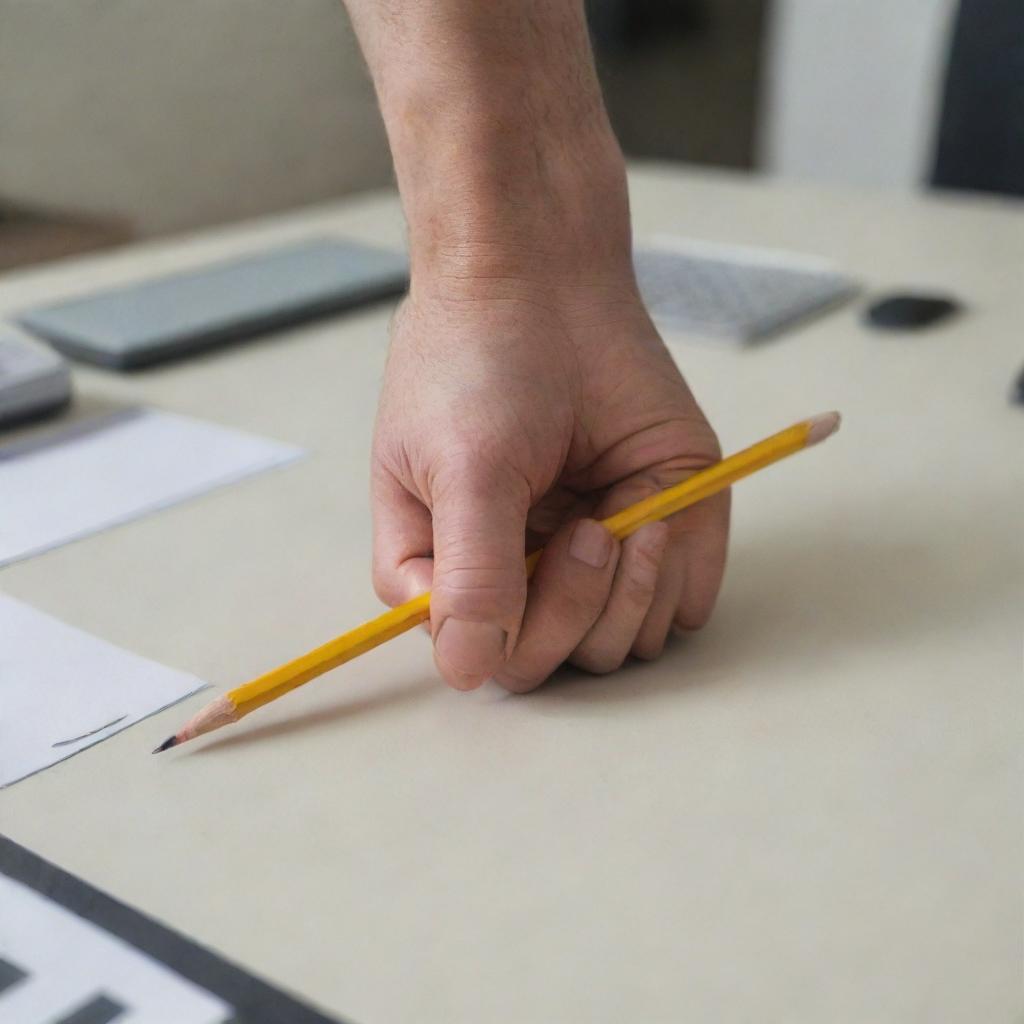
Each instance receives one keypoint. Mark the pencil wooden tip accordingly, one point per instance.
(171, 741)
(822, 426)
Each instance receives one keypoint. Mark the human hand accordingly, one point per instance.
(515, 412)
(526, 391)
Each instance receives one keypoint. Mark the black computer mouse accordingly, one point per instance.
(910, 312)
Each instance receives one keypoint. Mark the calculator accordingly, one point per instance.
(34, 379)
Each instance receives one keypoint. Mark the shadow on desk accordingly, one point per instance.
(329, 718)
(794, 608)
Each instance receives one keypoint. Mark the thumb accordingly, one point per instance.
(479, 592)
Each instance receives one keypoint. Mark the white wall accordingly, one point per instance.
(853, 87)
(198, 111)
(185, 112)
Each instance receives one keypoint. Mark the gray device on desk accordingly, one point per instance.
(172, 316)
(736, 292)
(34, 380)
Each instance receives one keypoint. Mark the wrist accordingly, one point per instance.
(514, 203)
(505, 159)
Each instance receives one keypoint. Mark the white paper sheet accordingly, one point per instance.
(64, 964)
(99, 473)
(62, 690)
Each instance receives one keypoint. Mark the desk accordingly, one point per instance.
(808, 812)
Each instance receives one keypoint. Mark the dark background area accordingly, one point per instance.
(682, 77)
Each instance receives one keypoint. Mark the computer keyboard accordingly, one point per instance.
(738, 293)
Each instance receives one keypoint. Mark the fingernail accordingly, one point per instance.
(470, 648)
(591, 543)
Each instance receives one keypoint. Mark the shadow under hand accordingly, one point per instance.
(793, 608)
(800, 606)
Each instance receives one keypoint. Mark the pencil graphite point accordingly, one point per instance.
(822, 426)
(221, 711)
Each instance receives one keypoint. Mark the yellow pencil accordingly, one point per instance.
(237, 703)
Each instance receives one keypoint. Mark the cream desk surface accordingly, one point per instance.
(810, 811)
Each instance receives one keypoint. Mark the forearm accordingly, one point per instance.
(502, 148)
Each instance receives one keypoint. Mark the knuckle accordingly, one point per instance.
(460, 462)
(680, 444)
(475, 467)
(386, 587)
(583, 604)
(597, 661)
(648, 648)
(640, 579)
(695, 618)
(694, 442)
(477, 590)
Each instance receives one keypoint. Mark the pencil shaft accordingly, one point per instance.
(266, 688)
(707, 481)
(703, 484)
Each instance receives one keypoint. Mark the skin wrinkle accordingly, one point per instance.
(591, 476)
(607, 645)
